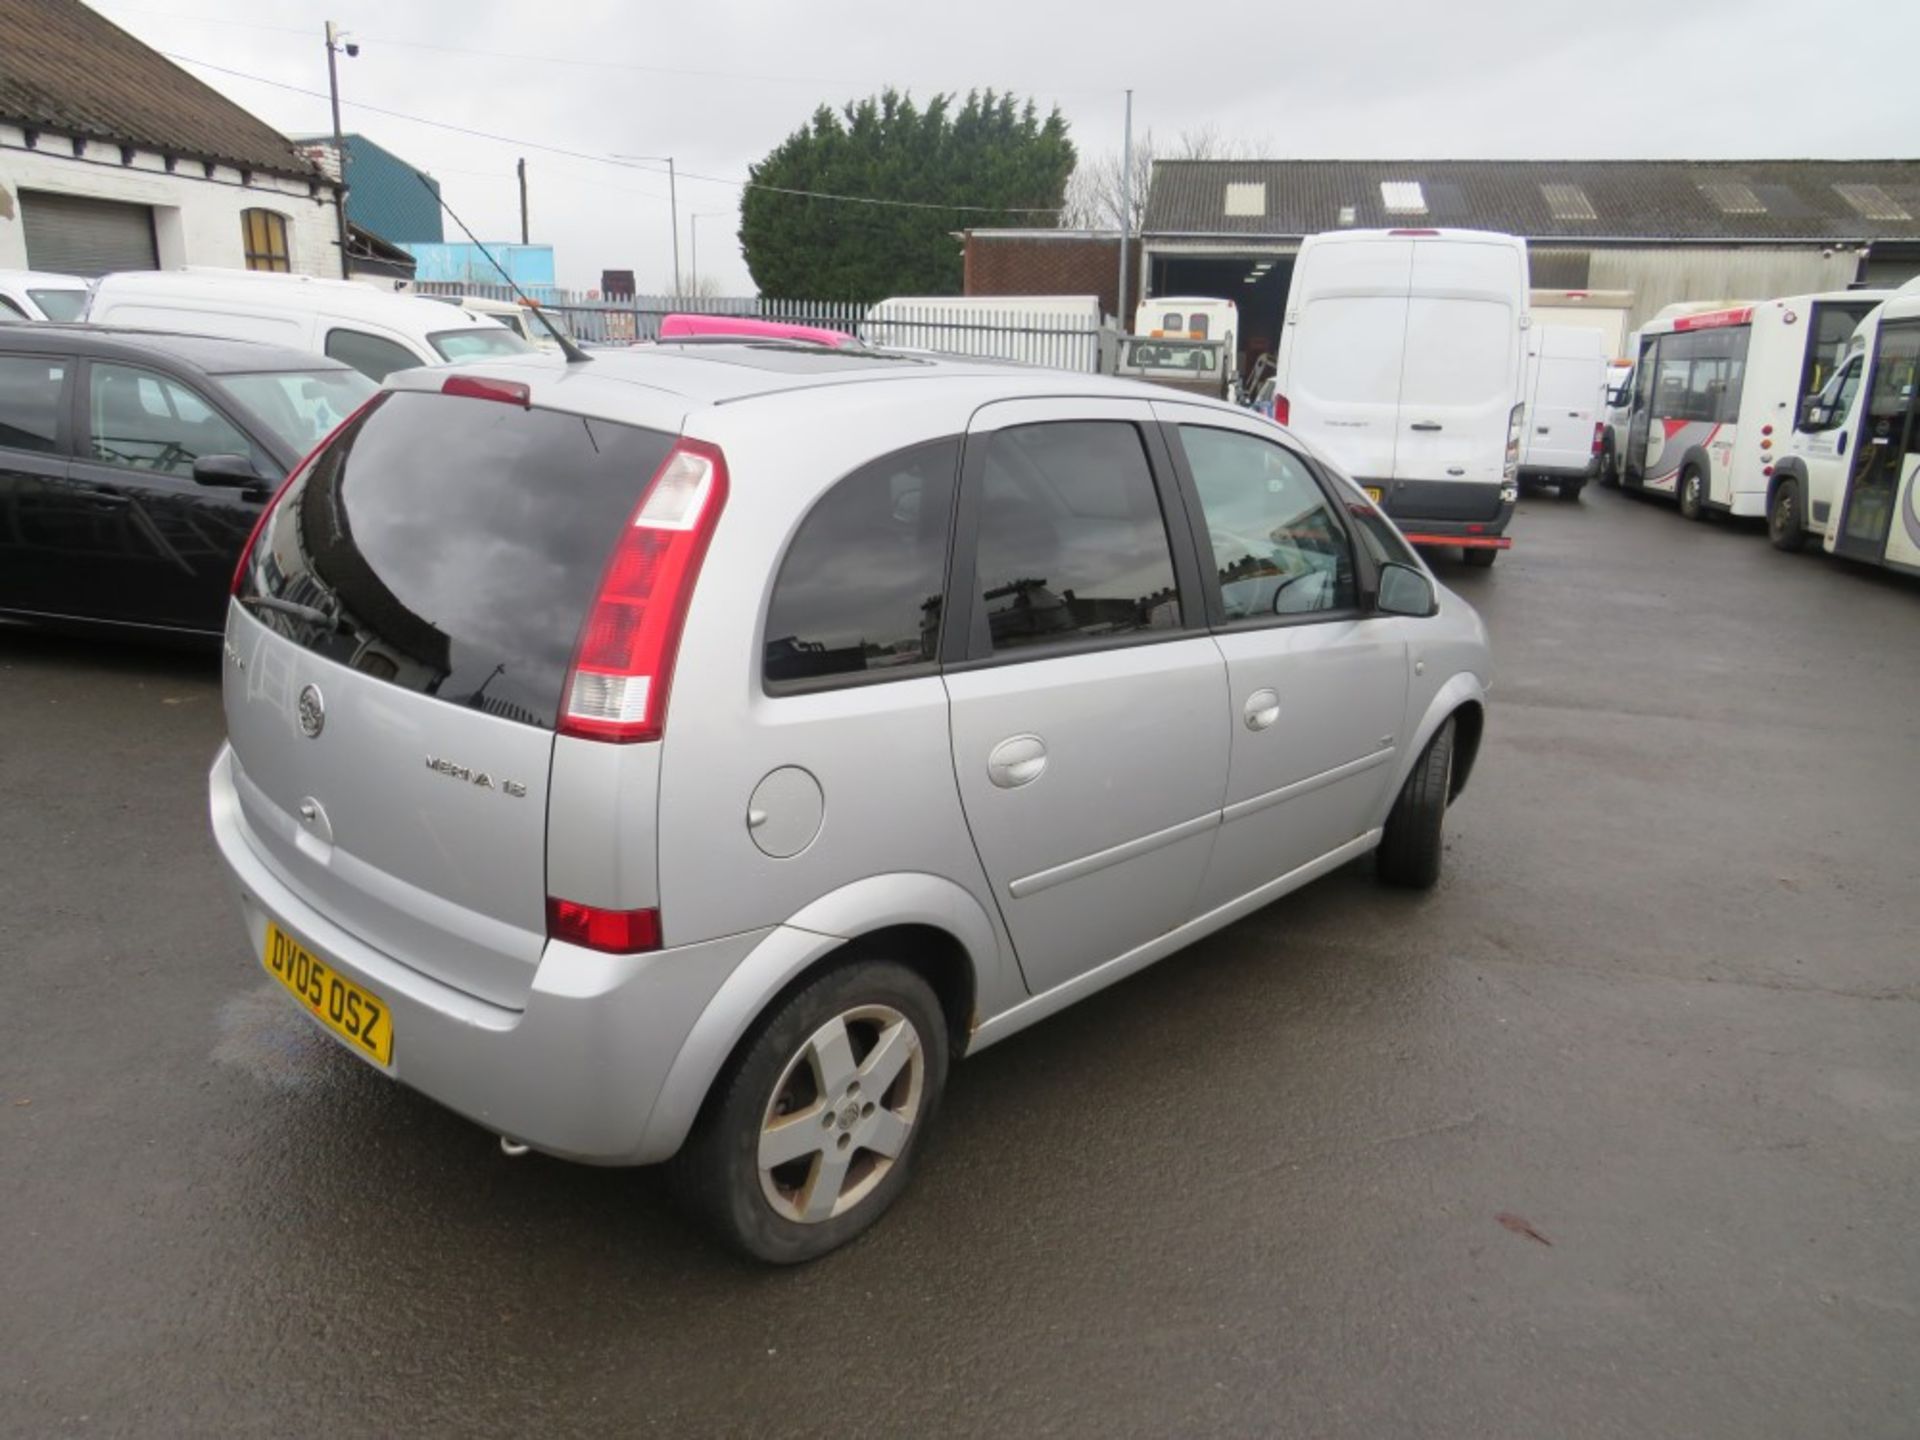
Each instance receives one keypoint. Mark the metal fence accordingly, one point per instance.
(1061, 341)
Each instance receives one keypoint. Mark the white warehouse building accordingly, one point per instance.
(114, 158)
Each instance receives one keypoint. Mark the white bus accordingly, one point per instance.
(1876, 515)
(1716, 391)
(1402, 358)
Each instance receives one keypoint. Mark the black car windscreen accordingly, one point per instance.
(452, 546)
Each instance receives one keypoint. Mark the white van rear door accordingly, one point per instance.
(1459, 377)
(1343, 374)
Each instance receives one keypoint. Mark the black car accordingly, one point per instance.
(133, 465)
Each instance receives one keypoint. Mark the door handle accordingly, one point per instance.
(1262, 709)
(1017, 761)
(105, 499)
(1425, 425)
(1840, 443)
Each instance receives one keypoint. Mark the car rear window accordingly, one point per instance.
(452, 546)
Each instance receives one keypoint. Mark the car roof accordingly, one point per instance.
(303, 292)
(712, 371)
(43, 279)
(210, 354)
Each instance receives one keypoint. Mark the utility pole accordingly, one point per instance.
(1126, 213)
(335, 37)
(673, 205)
(522, 168)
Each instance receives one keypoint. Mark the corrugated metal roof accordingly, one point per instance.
(1742, 200)
(66, 68)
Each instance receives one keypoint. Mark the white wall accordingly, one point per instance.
(196, 218)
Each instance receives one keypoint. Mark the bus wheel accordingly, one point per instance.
(1693, 494)
(1480, 559)
(1609, 469)
(1783, 517)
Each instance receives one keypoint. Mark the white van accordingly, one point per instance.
(1566, 390)
(41, 295)
(374, 331)
(1716, 392)
(1402, 357)
(1603, 310)
(519, 318)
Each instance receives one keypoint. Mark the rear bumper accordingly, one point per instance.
(1561, 472)
(576, 1073)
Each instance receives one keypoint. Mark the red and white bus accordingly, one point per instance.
(1716, 391)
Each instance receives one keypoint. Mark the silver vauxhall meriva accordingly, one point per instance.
(681, 756)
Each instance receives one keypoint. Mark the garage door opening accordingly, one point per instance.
(1261, 294)
(80, 235)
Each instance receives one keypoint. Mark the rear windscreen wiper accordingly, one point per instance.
(300, 612)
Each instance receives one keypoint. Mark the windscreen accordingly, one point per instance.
(301, 407)
(59, 305)
(478, 342)
(452, 546)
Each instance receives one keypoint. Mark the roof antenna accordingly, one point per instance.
(575, 355)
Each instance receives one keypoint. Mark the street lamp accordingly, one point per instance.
(673, 206)
(336, 41)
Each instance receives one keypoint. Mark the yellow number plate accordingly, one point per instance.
(1373, 493)
(356, 1015)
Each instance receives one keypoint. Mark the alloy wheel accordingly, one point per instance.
(841, 1113)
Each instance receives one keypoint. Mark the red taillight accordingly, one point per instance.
(246, 551)
(617, 932)
(1599, 435)
(481, 387)
(617, 688)
(1766, 429)
(1282, 410)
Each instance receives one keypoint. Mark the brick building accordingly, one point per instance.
(1045, 262)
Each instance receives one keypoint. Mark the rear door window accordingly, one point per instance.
(858, 594)
(1071, 543)
(143, 421)
(453, 546)
(369, 354)
(30, 391)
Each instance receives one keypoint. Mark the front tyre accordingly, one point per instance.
(1409, 852)
(1783, 517)
(811, 1133)
(1693, 494)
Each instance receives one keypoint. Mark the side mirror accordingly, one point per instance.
(226, 472)
(1404, 591)
(1616, 397)
(1816, 416)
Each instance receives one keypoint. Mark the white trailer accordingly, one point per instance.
(1061, 332)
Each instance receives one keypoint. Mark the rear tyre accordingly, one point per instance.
(1783, 517)
(1480, 559)
(1410, 847)
(1692, 493)
(811, 1133)
(1609, 469)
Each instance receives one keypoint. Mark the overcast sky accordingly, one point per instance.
(718, 83)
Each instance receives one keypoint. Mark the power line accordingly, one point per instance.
(622, 164)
